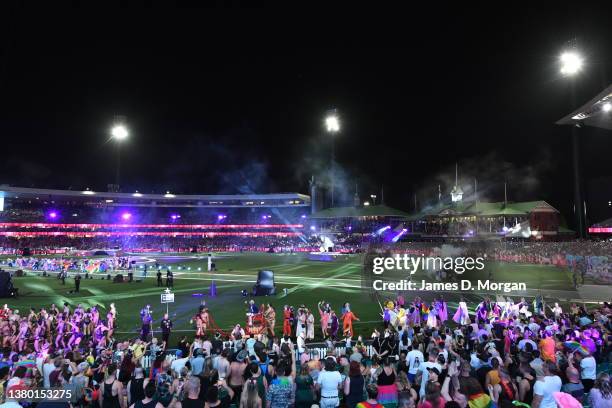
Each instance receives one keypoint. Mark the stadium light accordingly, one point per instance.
(607, 107)
(571, 63)
(119, 132)
(332, 123)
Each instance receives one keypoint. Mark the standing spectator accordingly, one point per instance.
(545, 387)
(112, 389)
(166, 328)
(329, 382)
(280, 392)
(304, 389)
(600, 395)
(354, 385)
(147, 401)
(250, 396)
(371, 402)
(588, 370)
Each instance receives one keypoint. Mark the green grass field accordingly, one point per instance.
(307, 282)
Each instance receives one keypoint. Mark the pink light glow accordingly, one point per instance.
(153, 226)
(146, 233)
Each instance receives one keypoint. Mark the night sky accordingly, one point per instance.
(234, 100)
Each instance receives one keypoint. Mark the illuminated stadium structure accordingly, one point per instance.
(29, 214)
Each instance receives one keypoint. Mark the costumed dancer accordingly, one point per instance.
(481, 312)
(324, 313)
(300, 328)
(286, 321)
(147, 319)
(310, 325)
(462, 316)
(252, 310)
(270, 317)
(432, 318)
(347, 321)
(334, 325)
(415, 311)
(441, 310)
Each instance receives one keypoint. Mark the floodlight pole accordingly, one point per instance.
(333, 161)
(118, 164)
(579, 215)
(578, 202)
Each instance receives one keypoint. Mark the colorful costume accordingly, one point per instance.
(347, 322)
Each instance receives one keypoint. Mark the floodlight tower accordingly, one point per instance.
(571, 65)
(332, 124)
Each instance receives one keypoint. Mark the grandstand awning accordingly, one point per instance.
(358, 212)
(592, 113)
(485, 209)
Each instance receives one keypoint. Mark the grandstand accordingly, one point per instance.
(530, 219)
(603, 228)
(31, 217)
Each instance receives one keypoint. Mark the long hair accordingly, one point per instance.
(432, 394)
(604, 384)
(249, 395)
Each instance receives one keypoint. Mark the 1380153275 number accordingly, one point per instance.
(38, 394)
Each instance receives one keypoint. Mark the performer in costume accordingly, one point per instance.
(347, 321)
(324, 313)
(334, 325)
(286, 321)
(441, 310)
(310, 323)
(481, 312)
(416, 313)
(300, 328)
(270, 317)
(461, 316)
(147, 319)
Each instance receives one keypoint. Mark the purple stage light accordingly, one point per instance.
(53, 215)
(126, 216)
(175, 217)
(398, 236)
(303, 215)
(221, 217)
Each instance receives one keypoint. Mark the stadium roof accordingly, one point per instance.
(593, 112)
(485, 209)
(357, 212)
(168, 199)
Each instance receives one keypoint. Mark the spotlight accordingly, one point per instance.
(53, 215)
(571, 63)
(119, 132)
(332, 123)
(607, 107)
(126, 216)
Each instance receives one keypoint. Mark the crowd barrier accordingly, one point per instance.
(321, 352)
